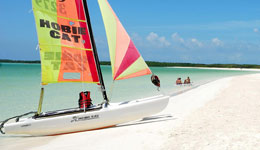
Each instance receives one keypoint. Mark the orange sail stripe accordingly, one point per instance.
(66, 48)
(137, 74)
(123, 53)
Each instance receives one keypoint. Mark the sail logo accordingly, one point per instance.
(52, 5)
(64, 32)
(25, 125)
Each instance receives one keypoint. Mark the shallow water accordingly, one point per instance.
(20, 87)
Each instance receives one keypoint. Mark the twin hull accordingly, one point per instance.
(111, 115)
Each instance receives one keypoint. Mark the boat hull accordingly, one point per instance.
(111, 115)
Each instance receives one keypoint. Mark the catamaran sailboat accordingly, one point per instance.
(67, 47)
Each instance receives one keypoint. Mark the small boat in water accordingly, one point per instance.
(68, 54)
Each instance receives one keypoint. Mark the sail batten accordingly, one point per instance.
(123, 53)
(64, 40)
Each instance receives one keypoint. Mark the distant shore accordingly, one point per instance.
(20, 61)
(158, 64)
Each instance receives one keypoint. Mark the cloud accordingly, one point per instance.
(182, 44)
(164, 41)
(196, 42)
(225, 25)
(177, 38)
(178, 48)
(256, 30)
(152, 36)
(136, 36)
(138, 40)
(158, 41)
(217, 42)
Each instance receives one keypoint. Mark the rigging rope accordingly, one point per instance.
(111, 90)
(16, 120)
(82, 65)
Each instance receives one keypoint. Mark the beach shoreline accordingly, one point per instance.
(200, 118)
(215, 68)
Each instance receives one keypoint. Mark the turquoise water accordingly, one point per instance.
(20, 87)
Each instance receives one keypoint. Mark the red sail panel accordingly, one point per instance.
(130, 57)
(126, 61)
(66, 48)
(82, 61)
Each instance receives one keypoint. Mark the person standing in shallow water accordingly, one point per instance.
(178, 81)
(187, 81)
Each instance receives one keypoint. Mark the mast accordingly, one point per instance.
(40, 102)
(102, 84)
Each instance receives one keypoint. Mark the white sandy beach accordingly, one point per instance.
(214, 68)
(224, 114)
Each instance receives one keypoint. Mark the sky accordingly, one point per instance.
(192, 31)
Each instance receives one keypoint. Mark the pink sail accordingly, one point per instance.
(126, 60)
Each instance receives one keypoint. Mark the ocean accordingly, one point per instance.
(20, 87)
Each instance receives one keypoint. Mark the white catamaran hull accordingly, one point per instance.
(111, 115)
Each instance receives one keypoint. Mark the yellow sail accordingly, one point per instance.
(65, 46)
(126, 61)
